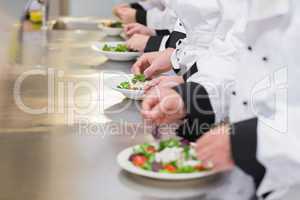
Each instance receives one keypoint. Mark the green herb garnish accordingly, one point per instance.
(124, 85)
(118, 48)
(116, 25)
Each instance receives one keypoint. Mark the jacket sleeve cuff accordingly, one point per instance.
(192, 70)
(136, 6)
(175, 36)
(244, 147)
(162, 32)
(200, 114)
(153, 43)
(141, 16)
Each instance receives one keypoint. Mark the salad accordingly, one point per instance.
(138, 82)
(113, 24)
(173, 156)
(118, 48)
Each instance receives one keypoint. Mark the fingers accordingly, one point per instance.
(128, 28)
(118, 7)
(141, 64)
(152, 84)
(133, 30)
(155, 114)
(152, 70)
(204, 153)
(149, 102)
(129, 43)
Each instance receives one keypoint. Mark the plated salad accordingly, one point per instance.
(138, 82)
(172, 156)
(118, 48)
(113, 24)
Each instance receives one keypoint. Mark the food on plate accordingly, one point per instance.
(138, 82)
(172, 156)
(118, 48)
(113, 24)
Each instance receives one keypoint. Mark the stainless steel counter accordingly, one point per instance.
(68, 151)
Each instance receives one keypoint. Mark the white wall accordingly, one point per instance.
(100, 8)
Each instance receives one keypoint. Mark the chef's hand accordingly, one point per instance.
(163, 81)
(214, 147)
(137, 42)
(162, 106)
(126, 15)
(151, 66)
(117, 8)
(136, 28)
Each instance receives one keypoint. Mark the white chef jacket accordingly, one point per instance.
(159, 15)
(266, 88)
(265, 84)
(149, 4)
(177, 27)
(213, 30)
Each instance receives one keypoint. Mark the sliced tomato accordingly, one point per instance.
(170, 168)
(151, 149)
(139, 160)
(200, 167)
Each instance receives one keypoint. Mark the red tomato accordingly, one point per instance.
(139, 160)
(200, 167)
(151, 149)
(170, 168)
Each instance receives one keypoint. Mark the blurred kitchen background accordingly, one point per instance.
(90, 7)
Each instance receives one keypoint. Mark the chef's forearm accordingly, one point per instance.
(200, 115)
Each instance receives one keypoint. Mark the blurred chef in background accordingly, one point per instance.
(156, 24)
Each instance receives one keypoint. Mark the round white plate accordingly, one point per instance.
(131, 94)
(123, 161)
(110, 31)
(116, 56)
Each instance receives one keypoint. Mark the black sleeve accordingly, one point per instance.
(192, 70)
(244, 148)
(141, 16)
(175, 36)
(141, 13)
(200, 115)
(136, 6)
(162, 32)
(153, 43)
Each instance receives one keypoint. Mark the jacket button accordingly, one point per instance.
(265, 59)
(234, 93)
(250, 48)
(245, 103)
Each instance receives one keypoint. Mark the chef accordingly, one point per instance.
(147, 40)
(157, 37)
(152, 13)
(262, 137)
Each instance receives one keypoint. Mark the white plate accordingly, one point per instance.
(110, 31)
(131, 94)
(117, 56)
(123, 161)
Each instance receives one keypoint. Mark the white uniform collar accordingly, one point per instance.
(261, 9)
